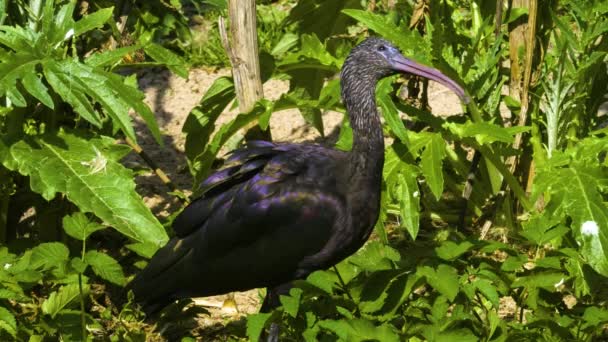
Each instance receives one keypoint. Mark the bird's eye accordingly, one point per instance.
(381, 48)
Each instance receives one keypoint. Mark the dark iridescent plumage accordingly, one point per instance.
(277, 212)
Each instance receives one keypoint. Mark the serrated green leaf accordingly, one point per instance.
(110, 57)
(79, 226)
(106, 267)
(72, 93)
(62, 298)
(167, 57)
(360, 330)
(8, 322)
(255, 325)
(450, 250)
(49, 254)
(409, 42)
(92, 21)
(375, 256)
(323, 280)
(34, 86)
(83, 170)
(444, 279)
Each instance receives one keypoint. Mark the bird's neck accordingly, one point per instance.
(367, 154)
(366, 158)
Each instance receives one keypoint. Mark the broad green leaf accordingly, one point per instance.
(8, 322)
(79, 226)
(134, 98)
(106, 267)
(444, 279)
(72, 93)
(450, 250)
(49, 254)
(375, 256)
(323, 280)
(255, 325)
(86, 171)
(168, 58)
(432, 164)
(574, 188)
(62, 298)
(360, 330)
(291, 303)
(92, 21)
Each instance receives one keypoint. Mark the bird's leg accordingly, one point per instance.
(272, 301)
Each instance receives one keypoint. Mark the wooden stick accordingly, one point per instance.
(242, 49)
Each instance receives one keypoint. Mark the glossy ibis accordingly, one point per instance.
(276, 212)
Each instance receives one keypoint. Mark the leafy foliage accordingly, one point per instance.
(523, 257)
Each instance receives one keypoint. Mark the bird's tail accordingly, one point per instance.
(161, 281)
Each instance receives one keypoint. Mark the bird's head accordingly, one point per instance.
(377, 58)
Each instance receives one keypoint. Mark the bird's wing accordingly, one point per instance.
(252, 227)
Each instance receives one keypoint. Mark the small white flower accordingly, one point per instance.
(415, 194)
(7, 266)
(590, 228)
(560, 283)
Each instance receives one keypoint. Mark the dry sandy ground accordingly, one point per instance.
(171, 98)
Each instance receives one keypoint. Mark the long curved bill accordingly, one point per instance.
(406, 65)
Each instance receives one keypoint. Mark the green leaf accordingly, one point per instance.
(444, 279)
(106, 267)
(360, 330)
(79, 226)
(485, 132)
(432, 164)
(110, 57)
(409, 203)
(409, 42)
(291, 303)
(202, 163)
(86, 171)
(92, 21)
(34, 86)
(200, 123)
(72, 93)
(255, 325)
(62, 298)
(375, 256)
(574, 186)
(168, 58)
(389, 110)
(49, 254)
(8, 322)
(450, 250)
